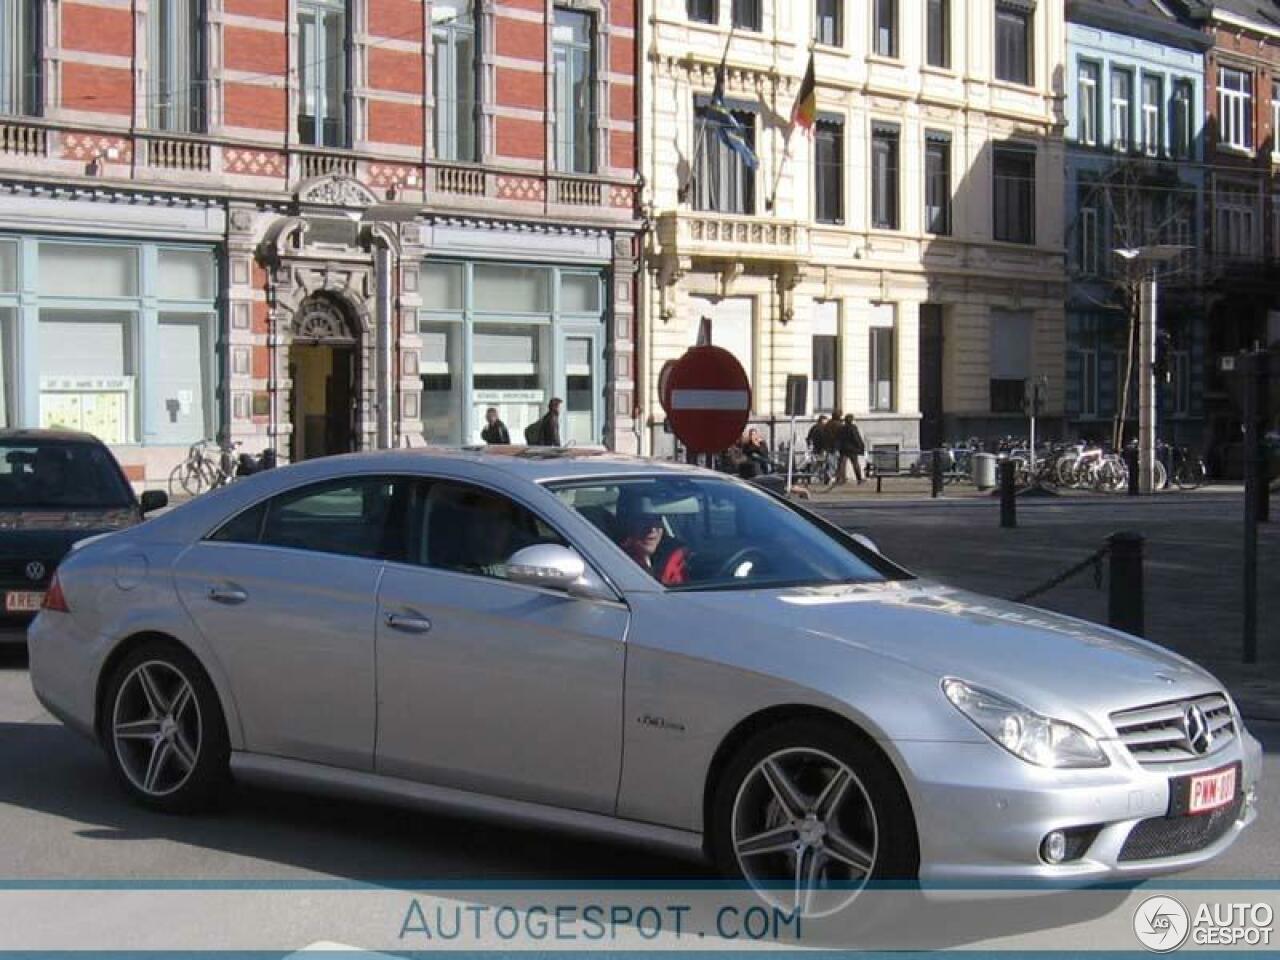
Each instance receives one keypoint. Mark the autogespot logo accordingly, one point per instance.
(1161, 924)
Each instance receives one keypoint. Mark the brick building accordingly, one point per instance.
(316, 225)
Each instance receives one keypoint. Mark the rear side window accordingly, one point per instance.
(354, 516)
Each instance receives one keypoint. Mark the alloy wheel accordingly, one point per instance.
(804, 831)
(156, 728)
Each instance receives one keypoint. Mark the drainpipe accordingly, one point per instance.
(384, 397)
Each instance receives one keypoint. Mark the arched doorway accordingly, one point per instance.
(323, 369)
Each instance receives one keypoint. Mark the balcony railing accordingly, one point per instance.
(23, 139)
(575, 192)
(459, 181)
(326, 165)
(178, 154)
(744, 237)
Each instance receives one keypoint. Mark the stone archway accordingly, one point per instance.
(324, 378)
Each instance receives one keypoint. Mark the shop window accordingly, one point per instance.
(580, 391)
(510, 289)
(180, 388)
(441, 286)
(20, 61)
(88, 373)
(573, 53)
(185, 275)
(8, 267)
(324, 68)
(455, 80)
(440, 368)
(882, 357)
(732, 326)
(8, 319)
(1010, 353)
(175, 41)
(88, 270)
(579, 293)
(511, 371)
(825, 347)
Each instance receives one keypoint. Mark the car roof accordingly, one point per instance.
(43, 435)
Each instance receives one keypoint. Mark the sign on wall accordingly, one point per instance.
(101, 406)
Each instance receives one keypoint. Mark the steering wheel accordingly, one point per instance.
(728, 569)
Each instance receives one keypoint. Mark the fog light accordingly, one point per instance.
(1053, 848)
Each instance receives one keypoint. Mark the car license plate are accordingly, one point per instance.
(1209, 791)
(23, 601)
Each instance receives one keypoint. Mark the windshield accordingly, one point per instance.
(696, 533)
(60, 475)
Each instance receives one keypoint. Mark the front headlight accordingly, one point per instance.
(1025, 733)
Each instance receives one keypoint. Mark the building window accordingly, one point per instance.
(1152, 116)
(1010, 353)
(1015, 194)
(1087, 103)
(1235, 108)
(885, 28)
(723, 183)
(1183, 120)
(747, 15)
(455, 80)
(324, 71)
(701, 11)
(1088, 383)
(882, 358)
(829, 22)
(828, 154)
(1275, 119)
(20, 61)
(884, 176)
(574, 91)
(1013, 41)
(176, 49)
(1236, 226)
(937, 183)
(1121, 109)
(1089, 241)
(826, 356)
(938, 33)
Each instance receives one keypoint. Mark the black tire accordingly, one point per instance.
(897, 856)
(180, 788)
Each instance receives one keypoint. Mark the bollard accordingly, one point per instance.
(1131, 464)
(935, 473)
(1124, 602)
(1008, 495)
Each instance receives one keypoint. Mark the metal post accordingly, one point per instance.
(1008, 495)
(791, 455)
(935, 473)
(1125, 603)
(1131, 464)
(384, 366)
(1262, 406)
(1147, 387)
(1249, 374)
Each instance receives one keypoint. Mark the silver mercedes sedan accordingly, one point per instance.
(653, 651)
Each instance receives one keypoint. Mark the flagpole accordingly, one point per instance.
(683, 192)
(786, 146)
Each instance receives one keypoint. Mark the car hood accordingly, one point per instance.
(1052, 663)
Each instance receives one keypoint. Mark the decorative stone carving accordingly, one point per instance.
(321, 319)
(333, 190)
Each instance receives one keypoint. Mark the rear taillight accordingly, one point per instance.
(54, 598)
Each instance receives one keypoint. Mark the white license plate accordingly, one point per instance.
(1212, 790)
(23, 601)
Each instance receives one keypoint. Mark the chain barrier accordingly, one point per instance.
(1093, 560)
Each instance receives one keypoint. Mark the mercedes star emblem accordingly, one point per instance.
(1196, 726)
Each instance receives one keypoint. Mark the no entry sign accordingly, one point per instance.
(707, 398)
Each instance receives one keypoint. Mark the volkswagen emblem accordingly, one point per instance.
(1196, 727)
(35, 570)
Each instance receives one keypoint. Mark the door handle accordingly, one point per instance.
(400, 621)
(228, 595)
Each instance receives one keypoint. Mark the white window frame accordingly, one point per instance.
(1236, 222)
(1087, 76)
(1181, 122)
(884, 316)
(568, 56)
(314, 77)
(1121, 111)
(21, 63)
(1235, 108)
(449, 114)
(175, 49)
(1152, 116)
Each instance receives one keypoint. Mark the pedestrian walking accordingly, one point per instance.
(495, 431)
(545, 432)
(851, 447)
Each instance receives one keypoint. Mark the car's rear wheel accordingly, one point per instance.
(808, 813)
(164, 730)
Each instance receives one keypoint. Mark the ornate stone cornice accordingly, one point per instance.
(335, 191)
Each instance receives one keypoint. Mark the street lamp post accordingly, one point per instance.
(1149, 258)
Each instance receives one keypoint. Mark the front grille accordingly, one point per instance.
(13, 572)
(1174, 836)
(1157, 734)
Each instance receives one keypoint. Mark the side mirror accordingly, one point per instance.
(153, 500)
(546, 565)
(866, 542)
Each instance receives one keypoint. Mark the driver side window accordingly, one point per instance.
(468, 529)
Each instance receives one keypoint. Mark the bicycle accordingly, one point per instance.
(202, 471)
(1189, 471)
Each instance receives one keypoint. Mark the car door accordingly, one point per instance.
(285, 594)
(489, 685)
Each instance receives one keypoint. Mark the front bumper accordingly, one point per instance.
(982, 813)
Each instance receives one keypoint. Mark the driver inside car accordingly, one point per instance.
(645, 541)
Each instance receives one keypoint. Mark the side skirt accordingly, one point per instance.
(336, 781)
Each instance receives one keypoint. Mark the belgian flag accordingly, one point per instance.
(805, 112)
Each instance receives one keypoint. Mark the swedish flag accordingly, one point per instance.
(726, 126)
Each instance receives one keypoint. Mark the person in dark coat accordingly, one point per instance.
(546, 432)
(851, 447)
(755, 454)
(495, 431)
(817, 436)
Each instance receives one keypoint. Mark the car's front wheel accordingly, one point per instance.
(809, 813)
(164, 730)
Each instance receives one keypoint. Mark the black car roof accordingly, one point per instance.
(34, 435)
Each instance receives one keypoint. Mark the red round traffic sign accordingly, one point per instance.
(708, 399)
